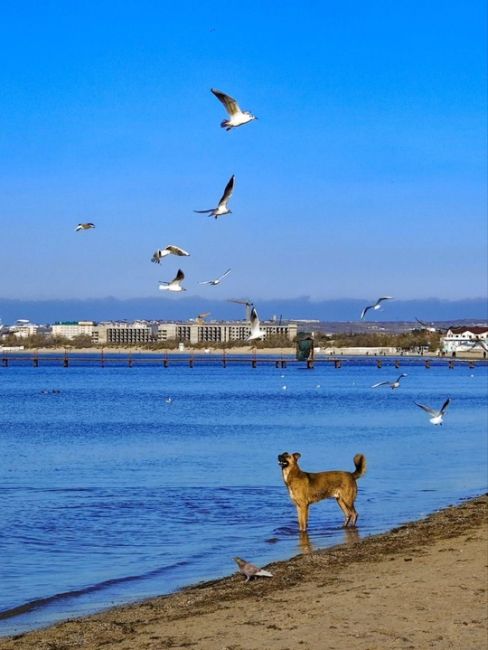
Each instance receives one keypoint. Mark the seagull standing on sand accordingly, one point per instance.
(169, 250)
(222, 208)
(237, 117)
(256, 332)
(84, 226)
(437, 416)
(250, 570)
(217, 280)
(376, 305)
(175, 284)
(392, 384)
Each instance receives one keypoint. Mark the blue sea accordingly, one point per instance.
(134, 482)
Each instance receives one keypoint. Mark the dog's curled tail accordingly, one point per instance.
(360, 463)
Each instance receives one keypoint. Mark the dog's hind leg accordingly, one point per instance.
(348, 512)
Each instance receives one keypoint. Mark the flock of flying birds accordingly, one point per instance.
(237, 117)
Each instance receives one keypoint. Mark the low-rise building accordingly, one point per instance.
(221, 332)
(124, 333)
(465, 339)
(72, 329)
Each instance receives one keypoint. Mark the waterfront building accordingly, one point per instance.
(465, 339)
(124, 332)
(221, 332)
(72, 329)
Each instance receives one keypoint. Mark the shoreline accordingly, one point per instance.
(422, 584)
(325, 353)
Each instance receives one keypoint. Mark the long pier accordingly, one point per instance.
(224, 359)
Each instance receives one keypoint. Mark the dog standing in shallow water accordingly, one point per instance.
(307, 487)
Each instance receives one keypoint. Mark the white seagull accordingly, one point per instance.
(392, 384)
(169, 250)
(256, 333)
(376, 305)
(250, 570)
(237, 117)
(84, 226)
(222, 208)
(217, 280)
(436, 415)
(175, 284)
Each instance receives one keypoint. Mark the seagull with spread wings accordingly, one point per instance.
(217, 280)
(376, 305)
(237, 117)
(437, 415)
(175, 284)
(84, 226)
(222, 208)
(169, 250)
(391, 384)
(256, 332)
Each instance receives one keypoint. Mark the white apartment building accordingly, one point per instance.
(220, 332)
(124, 332)
(465, 339)
(23, 329)
(71, 329)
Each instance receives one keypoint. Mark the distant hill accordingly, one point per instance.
(183, 308)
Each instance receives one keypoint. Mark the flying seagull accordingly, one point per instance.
(256, 333)
(237, 117)
(222, 208)
(392, 384)
(376, 305)
(84, 226)
(436, 415)
(175, 284)
(217, 280)
(169, 250)
(250, 570)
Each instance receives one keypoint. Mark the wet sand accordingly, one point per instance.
(422, 585)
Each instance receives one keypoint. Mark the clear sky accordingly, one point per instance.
(365, 174)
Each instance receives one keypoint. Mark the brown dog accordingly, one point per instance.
(306, 488)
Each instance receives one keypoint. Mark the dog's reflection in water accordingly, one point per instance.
(351, 536)
(305, 544)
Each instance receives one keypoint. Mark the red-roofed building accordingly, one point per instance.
(465, 339)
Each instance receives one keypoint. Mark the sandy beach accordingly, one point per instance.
(422, 585)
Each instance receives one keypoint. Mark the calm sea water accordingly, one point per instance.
(110, 493)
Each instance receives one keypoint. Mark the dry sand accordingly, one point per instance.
(423, 585)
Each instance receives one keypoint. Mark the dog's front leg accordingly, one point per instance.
(302, 511)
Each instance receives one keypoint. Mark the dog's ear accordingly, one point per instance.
(296, 455)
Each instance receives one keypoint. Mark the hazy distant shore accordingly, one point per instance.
(420, 585)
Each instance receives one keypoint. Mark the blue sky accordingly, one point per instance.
(365, 174)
